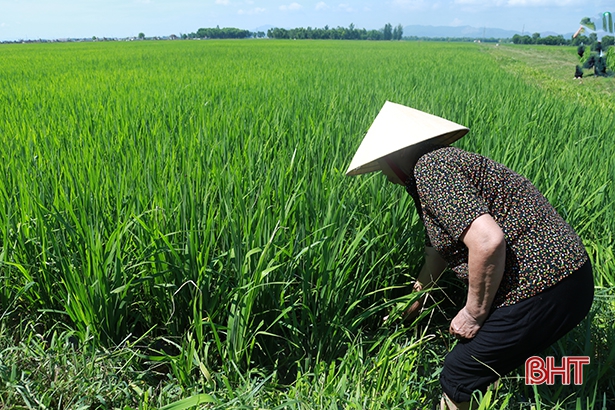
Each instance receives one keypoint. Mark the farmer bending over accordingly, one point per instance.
(529, 277)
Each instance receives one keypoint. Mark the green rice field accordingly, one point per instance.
(177, 232)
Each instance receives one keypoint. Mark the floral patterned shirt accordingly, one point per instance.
(455, 187)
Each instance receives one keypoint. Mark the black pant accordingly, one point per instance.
(512, 334)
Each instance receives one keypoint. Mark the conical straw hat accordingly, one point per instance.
(398, 127)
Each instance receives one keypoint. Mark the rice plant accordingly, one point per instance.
(188, 199)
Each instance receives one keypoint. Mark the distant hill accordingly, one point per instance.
(467, 31)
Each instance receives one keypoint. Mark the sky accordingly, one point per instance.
(57, 19)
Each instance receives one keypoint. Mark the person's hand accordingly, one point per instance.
(464, 325)
(414, 310)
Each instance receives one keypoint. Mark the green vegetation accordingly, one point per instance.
(590, 41)
(176, 228)
(338, 33)
(227, 32)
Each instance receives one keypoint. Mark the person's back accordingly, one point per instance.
(456, 186)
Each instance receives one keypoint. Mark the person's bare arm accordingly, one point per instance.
(430, 272)
(579, 31)
(486, 256)
(432, 269)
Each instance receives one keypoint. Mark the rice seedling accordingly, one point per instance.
(188, 199)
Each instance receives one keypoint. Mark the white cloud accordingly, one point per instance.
(225, 2)
(256, 10)
(513, 3)
(412, 4)
(476, 2)
(539, 2)
(292, 6)
(456, 22)
(322, 6)
(346, 7)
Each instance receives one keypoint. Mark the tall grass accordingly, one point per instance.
(194, 192)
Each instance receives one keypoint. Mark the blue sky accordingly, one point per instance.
(29, 19)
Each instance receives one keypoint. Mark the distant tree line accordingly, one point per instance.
(388, 32)
(535, 38)
(227, 32)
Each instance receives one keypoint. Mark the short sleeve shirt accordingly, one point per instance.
(455, 187)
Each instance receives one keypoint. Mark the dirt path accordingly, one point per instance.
(552, 68)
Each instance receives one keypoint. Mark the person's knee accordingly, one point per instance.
(453, 389)
(447, 404)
